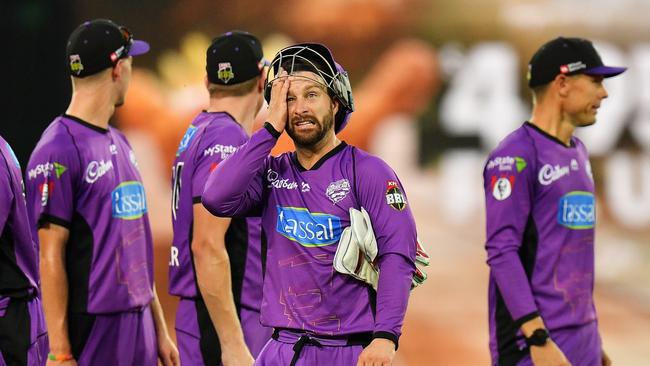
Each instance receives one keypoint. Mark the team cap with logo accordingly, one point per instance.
(234, 57)
(568, 56)
(99, 44)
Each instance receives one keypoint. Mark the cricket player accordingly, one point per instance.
(320, 316)
(215, 265)
(23, 336)
(540, 200)
(86, 195)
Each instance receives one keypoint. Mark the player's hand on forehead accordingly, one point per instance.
(278, 103)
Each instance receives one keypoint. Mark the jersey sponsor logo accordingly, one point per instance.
(549, 173)
(46, 190)
(394, 196)
(129, 201)
(223, 150)
(276, 181)
(305, 187)
(113, 149)
(577, 210)
(306, 228)
(97, 169)
(338, 190)
(507, 163)
(502, 186)
(46, 169)
(187, 139)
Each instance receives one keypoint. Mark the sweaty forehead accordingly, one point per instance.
(306, 79)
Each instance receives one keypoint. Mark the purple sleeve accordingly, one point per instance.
(213, 149)
(508, 183)
(381, 194)
(6, 193)
(52, 177)
(236, 186)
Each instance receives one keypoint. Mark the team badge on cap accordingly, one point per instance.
(225, 72)
(75, 64)
(394, 196)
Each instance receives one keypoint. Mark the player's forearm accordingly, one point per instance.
(395, 276)
(231, 189)
(513, 284)
(54, 291)
(213, 276)
(158, 315)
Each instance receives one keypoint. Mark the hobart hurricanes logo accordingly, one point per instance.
(577, 210)
(129, 201)
(306, 228)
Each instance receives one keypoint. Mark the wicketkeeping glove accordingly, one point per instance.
(357, 249)
(356, 253)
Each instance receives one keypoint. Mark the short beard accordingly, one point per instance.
(311, 140)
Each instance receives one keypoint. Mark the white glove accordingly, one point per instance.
(357, 249)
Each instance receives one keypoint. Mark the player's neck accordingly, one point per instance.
(308, 156)
(243, 109)
(94, 107)
(550, 119)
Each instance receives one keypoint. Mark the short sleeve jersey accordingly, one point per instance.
(86, 179)
(19, 275)
(211, 138)
(541, 212)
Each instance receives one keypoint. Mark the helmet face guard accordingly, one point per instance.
(318, 59)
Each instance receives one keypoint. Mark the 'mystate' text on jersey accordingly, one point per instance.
(540, 234)
(86, 179)
(303, 215)
(211, 138)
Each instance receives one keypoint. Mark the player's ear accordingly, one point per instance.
(335, 106)
(562, 84)
(116, 71)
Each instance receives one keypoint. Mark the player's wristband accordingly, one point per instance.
(269, 127)
(59, 358)
(387, 335)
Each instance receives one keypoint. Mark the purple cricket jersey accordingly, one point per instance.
(19, 276)
(540, 209)
(86, 179)
(210, 139)
(303, 215)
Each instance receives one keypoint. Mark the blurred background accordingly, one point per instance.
(437, 83)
